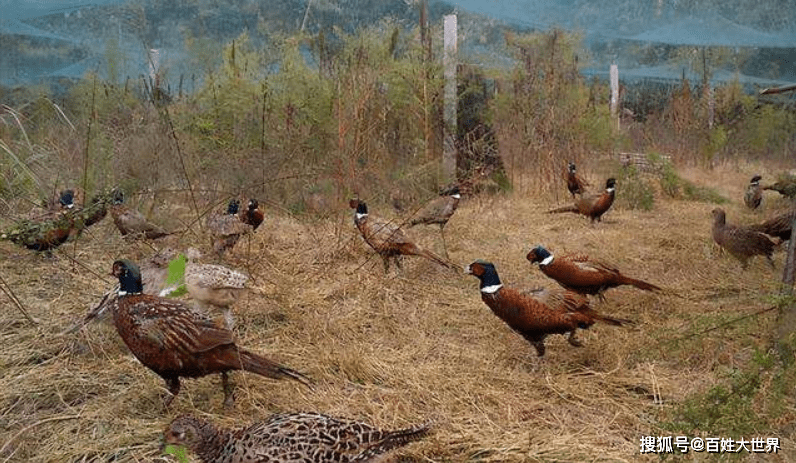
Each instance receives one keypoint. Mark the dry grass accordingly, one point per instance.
(404, 347)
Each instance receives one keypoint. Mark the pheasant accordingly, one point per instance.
(576, 272)
(45, 230)
(741, 242)
(387, 239)
(173, 340)
(779, 226)
(439, 211)
(96, 210)
(539, 314)
(213, 286)
(754, 194)
(290, 437)
(786, 186)
(575, 184)
(131, 223)
(253, 215)
(226, 228)
(592, 206)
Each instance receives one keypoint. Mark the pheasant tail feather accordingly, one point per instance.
(563, 209)
(609, 320)
(270, 369)
(640, 284)
(431, 256)
(401, 437)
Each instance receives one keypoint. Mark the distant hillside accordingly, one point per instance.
(113, 37)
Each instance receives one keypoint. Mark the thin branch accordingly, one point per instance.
(716, 327)
(10, 293)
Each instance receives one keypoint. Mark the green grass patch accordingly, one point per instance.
(747, 403)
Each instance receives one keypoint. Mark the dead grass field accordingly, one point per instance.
(406, 347)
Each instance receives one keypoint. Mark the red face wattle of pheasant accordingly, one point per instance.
(486, 273)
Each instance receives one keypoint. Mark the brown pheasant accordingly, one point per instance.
(387, 239)
(779, 226)
(536, 315)
(132, 223)
(439, 211)
(575, 184)
(253, 215)
(226, 228)
(741, 242)
(173, 340)
(213, 286)
(578, 273)
(786, 185)
(47, 228)
(290, 438)
(592, 206)
(754, 194)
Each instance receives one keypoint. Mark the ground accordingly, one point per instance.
(406, 347)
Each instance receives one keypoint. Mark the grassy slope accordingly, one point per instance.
(405, 347)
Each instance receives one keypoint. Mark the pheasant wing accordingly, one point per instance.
(178, 328)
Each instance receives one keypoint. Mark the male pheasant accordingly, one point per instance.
(174, 340)
(539, 314)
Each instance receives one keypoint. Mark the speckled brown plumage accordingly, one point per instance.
(779, 226)
(226, 228)
(754, 194)
(539, 314)
(592, 206)
(786, 186)
(575, 183)
(741, 242)
(174, 340)
(387, 238)
(213, 286)
(155, 271)
(578, 273)
(439, 211)
(290, 438)
(131, 223)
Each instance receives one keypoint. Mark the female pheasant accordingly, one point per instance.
(290, 438)
(741, 242)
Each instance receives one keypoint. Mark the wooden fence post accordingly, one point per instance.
(449, 64)
(614, 105)
(786, 318)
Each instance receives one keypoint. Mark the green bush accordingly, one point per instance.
(744, 404)
(634, 191)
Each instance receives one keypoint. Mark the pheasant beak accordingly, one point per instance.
(468, 270)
